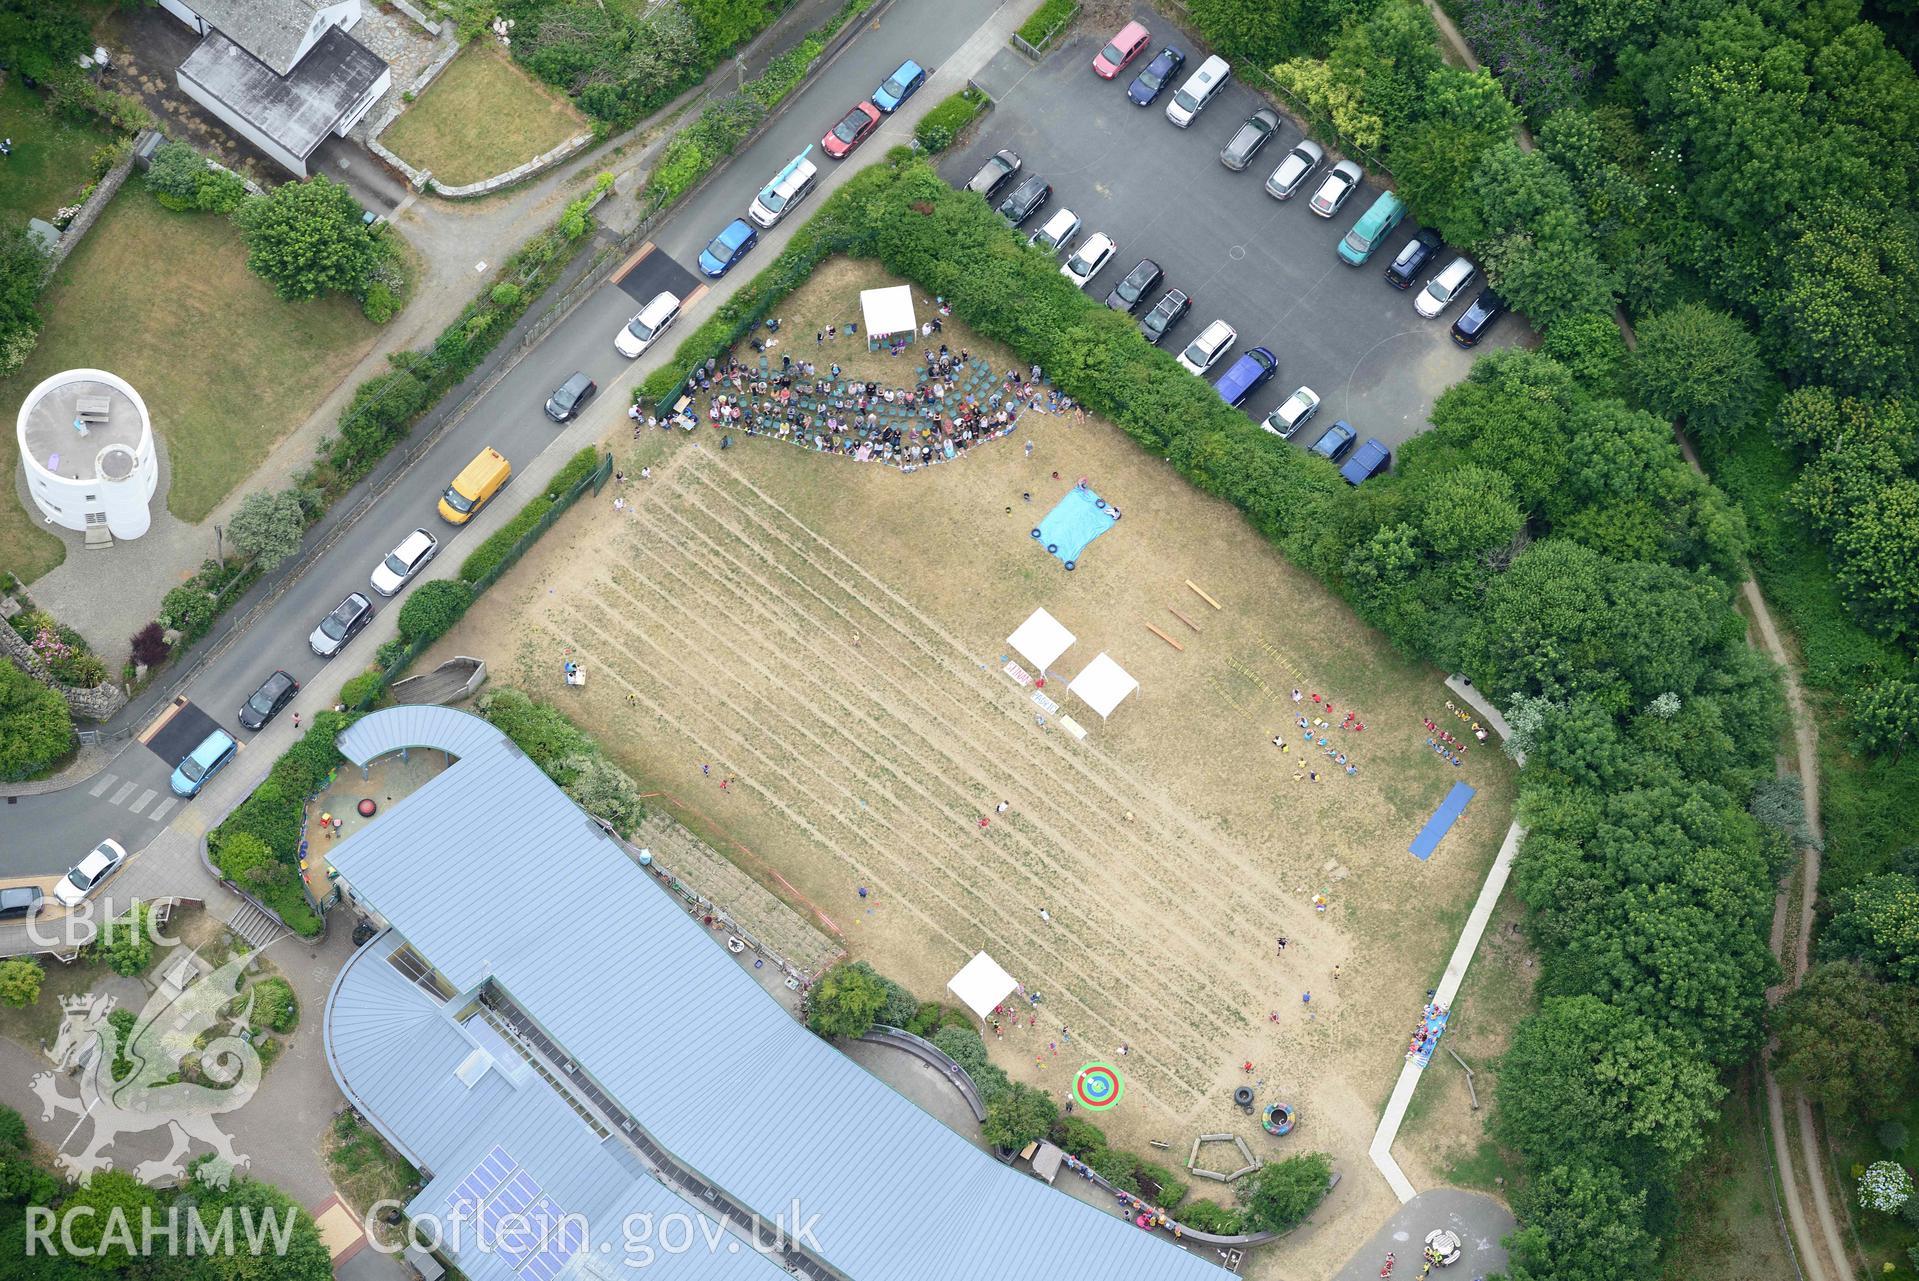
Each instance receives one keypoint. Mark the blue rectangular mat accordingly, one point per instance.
(1075, 521)
(1441, 822)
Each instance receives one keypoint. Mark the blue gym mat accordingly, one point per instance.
(1075, 521)
(1441, 822)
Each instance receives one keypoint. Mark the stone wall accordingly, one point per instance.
(96, 704)
(103, 192)
(433, 69)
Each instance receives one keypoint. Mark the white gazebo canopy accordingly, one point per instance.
(1041, 639)
(1102, 685)
(888, 312)
(982, 985)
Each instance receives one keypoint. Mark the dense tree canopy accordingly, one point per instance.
(305, 239)
(1850, 1041)
(1581, 1221)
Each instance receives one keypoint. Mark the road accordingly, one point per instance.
(45, 834)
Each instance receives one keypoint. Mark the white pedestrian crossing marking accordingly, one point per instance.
(160, 810)
(141, 803)
(106, 781)
(126, 790)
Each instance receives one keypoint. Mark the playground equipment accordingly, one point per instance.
(574, 673)
(1279, 1119)
(1243, 1098)
(1163, 636)
(1202, 594)
(1245, 1154)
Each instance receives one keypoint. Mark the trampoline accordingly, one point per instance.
(1075, 521)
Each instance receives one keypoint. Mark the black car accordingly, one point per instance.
(1129, 293)
(1166, 313)
(1412, 260)
(993, 174)
(1478, 318)
(21, 902)
(274, 694)
(1152, 82)
(1027, 199)
(565, 404)
(341, 626)
(1259, 129)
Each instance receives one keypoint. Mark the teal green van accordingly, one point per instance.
(1373, 226)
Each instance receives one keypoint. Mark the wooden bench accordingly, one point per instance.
(93, 409)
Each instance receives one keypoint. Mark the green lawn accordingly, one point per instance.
(165, 300)
(51, 160)
(482, 117)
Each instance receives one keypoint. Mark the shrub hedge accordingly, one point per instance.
(1047, 22)
(272, 816)
(939, 127)
(501, 541)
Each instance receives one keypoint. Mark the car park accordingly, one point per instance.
(781, 196)
(1204, 352)
(1336, 440)
(1371, 230)
(1260, 128)
(1056, 235)
(652, 320)
(732, 244)
(21, 902)
(341, 626)
(1027, 199)
(1405, 269)
(1200, 88)
(1285, 421)
(1367, 461)
(570, 397)
(1305, 157)
(202, 763)
(90, 873)
(404, 561)
(1246, 375)
(1152, 82)
(1166, 313)
(1131, 291)
(853, 129)
(275, 692)
(1336, 187)
(994, 174)
(1478, 318)
(1089, 258)
(1128, 44)
(1445, 287)
(899, 86)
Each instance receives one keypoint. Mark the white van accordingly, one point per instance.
(1200, 88)
(779, 196)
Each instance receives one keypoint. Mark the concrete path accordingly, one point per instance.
(1480, 1221)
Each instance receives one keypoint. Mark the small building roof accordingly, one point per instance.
(982, 985)
(296, 109)
(1102, 685)
(270, 30)
(1041, 639)
(888, 311)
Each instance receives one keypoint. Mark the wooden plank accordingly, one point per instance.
(1182, 618)
(1163, 636)
(1202, 595)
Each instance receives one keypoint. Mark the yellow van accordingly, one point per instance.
(478, 481)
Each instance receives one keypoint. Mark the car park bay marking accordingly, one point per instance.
(627, 266)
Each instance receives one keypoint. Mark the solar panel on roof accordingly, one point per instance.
(553, 1256)
(486, 1179)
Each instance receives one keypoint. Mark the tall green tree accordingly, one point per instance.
(845, 1001)
(1462, 115)
(1581, 1221)
(1850, 1040)
(1700, 364)
(1877, 921)
(36, 730)
(268, 525)
(1847, 294)
(1018, 1116)
(1284, 1192)
(306, 239)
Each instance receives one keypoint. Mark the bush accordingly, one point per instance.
(939, 127)
(364, 690)
(1171, 1190)
(432, 610)
(20, 980)
(845, 1001)
(149, 645)
(1081, 1138)
(306, 239)
(504, 295)
(1211, 1216)
(540, 730)
(379, 304)
(1119, 1168)
(274, 1005)
(492, 553)
(124, 942)
(1283, 1193)
(36, 730)
(268, 525)
(189, 611)
(606, 791)
(576, 469)
(174, 175)
(244, 859)
(964, 1047)
(1047, 22)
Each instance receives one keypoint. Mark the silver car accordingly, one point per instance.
(1444, 289)
(1292, 415)
(1342, 182)
(404, 561)
(1299, 165)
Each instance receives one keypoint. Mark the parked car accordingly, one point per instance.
(1445, 287)
(1204, 352)
(1130, 292)
(1200, 88)
(341, 626)
(724, 250)
(1412, 260)
(993, 175)
(1336, 441)
(781, 196)
(1166, 313)
(570, 397)
(1246, 375)
(1152, 82)
(1299, 164)
(404, 561)
(1478, 318)
(1335, 187)
(1089, 258)
(899, 86)
(22, 902)
(1367, 461)
(1260, 128)
(1292, 413)
(1121, 49)
(275, 692)
(1370, 232)
(202, 763)
(1027, 199)
(90, 873)
(1057, 233)
(853, 129)
(652, 320)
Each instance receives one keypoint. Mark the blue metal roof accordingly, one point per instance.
(489, 870)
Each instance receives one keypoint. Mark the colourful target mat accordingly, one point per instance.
(1098, 1086)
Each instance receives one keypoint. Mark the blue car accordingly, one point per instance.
(728, 248)
(1367, 461)
(899, 86)
(202, 763)
(1247, 375)
(1337, 440)
(1152, 82)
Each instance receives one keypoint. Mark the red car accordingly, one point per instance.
(851, 131)
(1124, 47)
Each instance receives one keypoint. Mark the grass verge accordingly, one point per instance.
(482, 117)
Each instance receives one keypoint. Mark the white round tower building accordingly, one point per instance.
(87, 445)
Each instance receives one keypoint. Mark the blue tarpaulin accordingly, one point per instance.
(1075, 521)
(1441, 822)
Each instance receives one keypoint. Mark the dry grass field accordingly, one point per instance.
(829, 637)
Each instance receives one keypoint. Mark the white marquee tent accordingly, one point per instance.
(1041, 639)
(888, 312)
(982, 985)
(1102, 685)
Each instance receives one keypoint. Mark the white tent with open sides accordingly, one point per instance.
(1041, 639)
(888, 313)
(1102, 685)
(982, 985)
